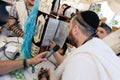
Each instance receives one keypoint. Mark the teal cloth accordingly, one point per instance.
(30, 26)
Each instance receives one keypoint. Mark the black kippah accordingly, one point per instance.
(91, 18)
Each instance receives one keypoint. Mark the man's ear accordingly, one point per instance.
(75, 29)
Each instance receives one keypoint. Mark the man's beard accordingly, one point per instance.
(71, 40)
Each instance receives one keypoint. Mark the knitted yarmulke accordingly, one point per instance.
(91, 18)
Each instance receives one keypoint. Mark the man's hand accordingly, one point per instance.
(39, 58)
(52, 44)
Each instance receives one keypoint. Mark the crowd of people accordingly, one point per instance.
(86, 57)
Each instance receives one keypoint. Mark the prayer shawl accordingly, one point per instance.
(22, 12)
(107, 63)
(60, 69)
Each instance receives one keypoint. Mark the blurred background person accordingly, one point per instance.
(103, 30)
(18, 14)
(62, 8)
